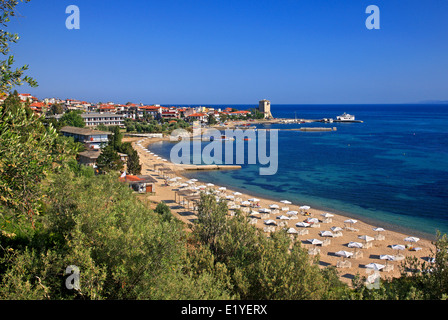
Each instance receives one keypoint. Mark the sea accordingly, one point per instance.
(391, 170)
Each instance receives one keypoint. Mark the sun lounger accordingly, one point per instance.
(388, 268)
(337, 234)
(399, 257)
(315, 225)
(314, 251)
(351, 229)
(367, 245)
(326, 242)
(283, 224)
(343, 264)
(327, 220)
(380, 237)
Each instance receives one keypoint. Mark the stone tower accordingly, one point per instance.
(264, 106)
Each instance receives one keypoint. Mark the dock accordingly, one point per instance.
(305, 129)
(209, 167)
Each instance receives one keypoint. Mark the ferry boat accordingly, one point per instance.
(346, 117)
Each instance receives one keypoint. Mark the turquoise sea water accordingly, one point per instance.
(390, 170)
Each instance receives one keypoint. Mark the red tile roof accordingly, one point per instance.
(197, 115)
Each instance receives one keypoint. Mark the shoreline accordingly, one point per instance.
(379, 223)
(327, 253)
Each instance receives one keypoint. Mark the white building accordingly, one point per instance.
(94, 119)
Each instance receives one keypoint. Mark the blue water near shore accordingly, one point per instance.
(391, 170)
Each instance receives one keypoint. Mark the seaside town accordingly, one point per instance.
(109, 113)
(343, 244)
(95, 206)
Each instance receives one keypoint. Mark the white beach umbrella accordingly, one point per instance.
(285, 201)
(222, 188)
(254, 212)
(210, 185)
(304, 207)
(230, 197)
(326, 234)
(237, 193)
(387, 257)
(312, 220)
(411, 239)
(245, 203)
(292, 213)
(189, 182)
(183, 185)
(354, 244)
(378, 229)
(366, 238)
(375, 266)
(292, 230)
(302, 224)
(274, 206)
(264, 210)
(268, 222)
(398, 247)
(327, 215)
(336, 229)
(194, 180)
(254, 200)
(315, 241)
(282, 217)
(164, 160)
(345, 254)
(351, 221)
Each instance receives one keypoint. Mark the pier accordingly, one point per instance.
(209, 167)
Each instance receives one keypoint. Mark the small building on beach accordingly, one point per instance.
(140, 184)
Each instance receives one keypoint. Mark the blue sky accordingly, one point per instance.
(236, 51)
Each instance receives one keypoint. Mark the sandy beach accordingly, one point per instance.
(347, 267)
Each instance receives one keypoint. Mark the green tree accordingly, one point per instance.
(164, 211)
(116, 137)
(9, 77)
(56, 108)
(109, 160)
(133, 162)
(212, 120)
(73, 118)
(26, 146)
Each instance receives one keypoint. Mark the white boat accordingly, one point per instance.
(346, 117)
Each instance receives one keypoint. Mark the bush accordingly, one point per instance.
(164, 211)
